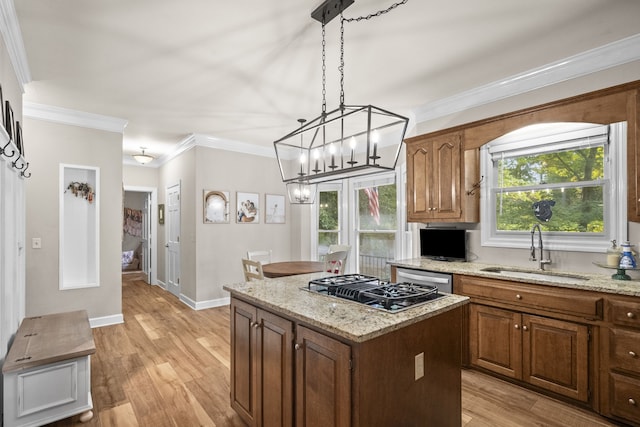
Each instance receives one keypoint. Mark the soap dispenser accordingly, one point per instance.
(626, 259)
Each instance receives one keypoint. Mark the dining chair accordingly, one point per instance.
(334, 262)
(252, 270)
(263, 256)
(340, 248)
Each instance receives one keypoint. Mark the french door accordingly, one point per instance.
(366, 213)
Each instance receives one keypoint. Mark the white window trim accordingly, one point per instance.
(615, 210)
(346, 198)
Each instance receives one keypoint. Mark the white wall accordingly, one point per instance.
(49, 145)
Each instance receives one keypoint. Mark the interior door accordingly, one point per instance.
(146, 237)
(173, 239)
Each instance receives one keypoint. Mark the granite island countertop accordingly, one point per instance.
(595, 282)
(353, 321)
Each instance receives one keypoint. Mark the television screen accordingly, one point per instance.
(444, 244)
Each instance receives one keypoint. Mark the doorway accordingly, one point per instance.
(139, 257)
(173, 239)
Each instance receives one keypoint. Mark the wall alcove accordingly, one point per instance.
(79, 227)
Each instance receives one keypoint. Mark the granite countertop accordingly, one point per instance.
(595, 282)
(350, 320)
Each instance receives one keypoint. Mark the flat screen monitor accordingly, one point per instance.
(443, 244)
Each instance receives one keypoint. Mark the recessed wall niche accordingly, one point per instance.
(79, 227)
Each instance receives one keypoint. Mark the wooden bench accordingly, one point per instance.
(47, 372)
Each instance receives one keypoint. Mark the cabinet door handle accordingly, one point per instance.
(632, 401)
(297, 346)
(631, 315)
(633, 354)
(524, 328)
(518, 296)
(255, 325)
(517, 326)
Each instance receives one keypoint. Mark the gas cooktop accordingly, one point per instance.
(390, 297)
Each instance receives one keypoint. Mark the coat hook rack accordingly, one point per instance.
(15, 163)
(22, 173)
(475, 187)
(3, 151)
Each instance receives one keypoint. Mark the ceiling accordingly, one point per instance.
(246, 70)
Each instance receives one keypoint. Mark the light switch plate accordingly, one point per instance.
(36, 243)
(419, 363)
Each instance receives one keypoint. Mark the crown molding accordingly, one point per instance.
(12, 36)
(601, 58)
(73, 117)
(229, 145)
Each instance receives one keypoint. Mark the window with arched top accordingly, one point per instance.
(568, 177)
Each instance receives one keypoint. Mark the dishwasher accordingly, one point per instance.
(443, 281)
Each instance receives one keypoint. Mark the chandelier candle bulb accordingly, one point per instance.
(352, 145)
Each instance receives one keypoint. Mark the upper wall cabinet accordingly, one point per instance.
(612, 105)
(438, 170)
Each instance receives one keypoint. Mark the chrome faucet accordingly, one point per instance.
(542, 261)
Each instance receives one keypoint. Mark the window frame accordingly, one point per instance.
(615, 209)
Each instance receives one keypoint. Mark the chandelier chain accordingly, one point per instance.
(324, 74)
(341, 67)
(375, 14)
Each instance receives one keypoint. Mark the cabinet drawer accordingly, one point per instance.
(624, 350)
(539, 297)
(625, 397)
(624, 312)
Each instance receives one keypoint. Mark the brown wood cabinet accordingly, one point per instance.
(511, 333)
(398, 378)
(436, 176)
(611, 105)
(261, 366)
(620, 385)
(323, 381)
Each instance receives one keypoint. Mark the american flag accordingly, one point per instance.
(374, 207)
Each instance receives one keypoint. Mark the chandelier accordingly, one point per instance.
(349, 141)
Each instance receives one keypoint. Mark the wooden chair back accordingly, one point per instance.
(335, 262)
(252, 270)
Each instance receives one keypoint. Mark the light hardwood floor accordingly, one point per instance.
(168, 365)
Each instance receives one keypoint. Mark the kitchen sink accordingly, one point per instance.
(549, 276)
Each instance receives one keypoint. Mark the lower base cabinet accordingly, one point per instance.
(262, 368)
(620, 377)
(323, 380)
(547, 353)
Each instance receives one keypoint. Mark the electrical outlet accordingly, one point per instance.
(36, 243)
(419, 363)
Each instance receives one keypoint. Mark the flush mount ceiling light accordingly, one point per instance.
(143, 158)
(351, 140)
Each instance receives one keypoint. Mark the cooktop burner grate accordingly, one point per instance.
(371, 291)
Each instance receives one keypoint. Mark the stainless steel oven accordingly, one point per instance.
(444, 281)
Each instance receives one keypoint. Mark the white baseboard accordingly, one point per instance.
(98, 322)
(161, 284)
(201, 305)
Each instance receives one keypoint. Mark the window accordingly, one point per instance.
(352, 217)
(328, 220)
(376, 225)
(568, 177)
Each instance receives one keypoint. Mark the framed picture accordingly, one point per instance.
(161, 213)
(274, 209)
(247, 208)
(215, 207)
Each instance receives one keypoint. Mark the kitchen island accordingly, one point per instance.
(300, 358)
